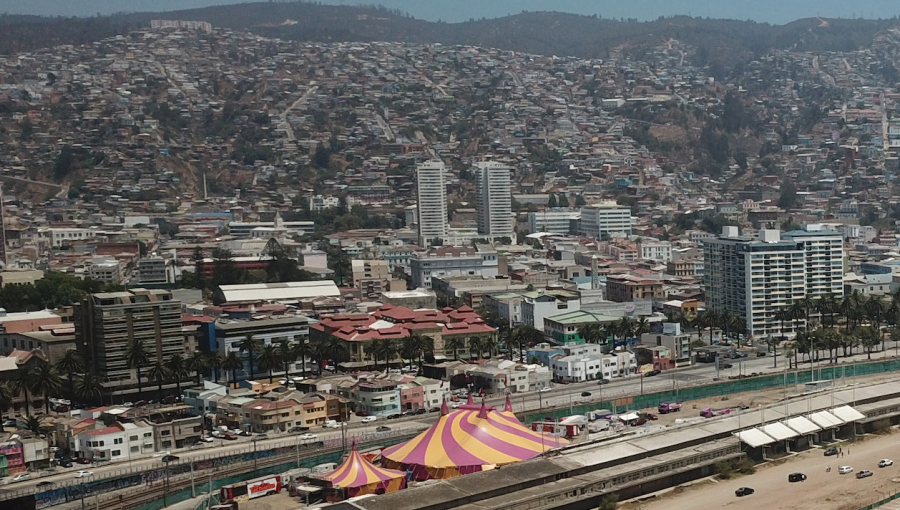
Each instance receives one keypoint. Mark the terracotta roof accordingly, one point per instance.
(103, 432)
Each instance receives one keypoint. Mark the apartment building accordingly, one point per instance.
(494, 200)
(605, 219)
(453, 261)
(757, 277)
(432, 201)
(228, 337)
(538, 305)
(623, 288)
(553, 222)
(106, 323)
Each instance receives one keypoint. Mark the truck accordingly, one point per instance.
(709, 412)
(669, 407)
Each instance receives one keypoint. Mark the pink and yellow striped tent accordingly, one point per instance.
(356, 477)
(471, 439)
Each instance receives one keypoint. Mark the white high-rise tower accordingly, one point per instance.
(494, 200)
(432, 205)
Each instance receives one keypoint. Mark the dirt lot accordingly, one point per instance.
(281, 501)
(821, 491)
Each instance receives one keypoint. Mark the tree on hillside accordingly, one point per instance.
(788, 197)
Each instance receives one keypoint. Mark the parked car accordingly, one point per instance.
(727, 365)
(369, 419)
(434, 410)
(393, 416)
(844, 470)
(865, 473)
(743, 491)
(162, 453)
(170, 458)
(362, 413)
(383, 428)
(21, 477)
(308, 437)
(652, 373)
(297, 430)
(229, 436)
(796, 477)
(761, 354)
(420, 410)
(197, 446)
(409, 412)
(831, 451)
(44, 484)
(83, 474)
(585, 393)
(603, 381)
(261, 437)
(453, 405)
(66, 463)
(885, 463)
(207, 439)
(650, 416)
(639, 421)
(82, 460)
(544, 390)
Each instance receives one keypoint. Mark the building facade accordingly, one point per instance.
(452, 261)
(432, 201)
(494, 200)
(605, 219)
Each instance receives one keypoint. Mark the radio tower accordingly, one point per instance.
(2, 231)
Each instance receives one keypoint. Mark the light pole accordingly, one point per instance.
(166, 493)
(254, 452)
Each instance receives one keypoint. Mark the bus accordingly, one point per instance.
(251, 489)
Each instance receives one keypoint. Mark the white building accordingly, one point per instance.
(106, 270)
(452, 261)
(63, 235)
(432, 201)
(553, 222)
(319, 203)
(606, 218)
(655, 250)
(538, 305)
(757, 277)
(580, 367)
(117, 442)
(494, 200)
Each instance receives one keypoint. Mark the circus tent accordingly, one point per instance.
(356, 477)
(471, 439)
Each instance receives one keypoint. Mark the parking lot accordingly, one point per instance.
(821, 490)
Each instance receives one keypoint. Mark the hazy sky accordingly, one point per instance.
(773, 11)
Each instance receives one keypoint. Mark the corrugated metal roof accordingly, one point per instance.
(754, 437)
(778, 431)
(802, 425)
(848, 414)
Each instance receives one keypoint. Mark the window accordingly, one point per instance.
(134, 449)
(101, 443)
(116, 453)
(164, 432)
(133, 438)
(147, 434)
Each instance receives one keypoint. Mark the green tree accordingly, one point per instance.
(36, 425)
(6, 398)
(788, 198)
(70, 363)
(177, 367)
(159, 373)
(224, 272)
(268, 360)
(551, 201)
(303, 350)
(286, 356)
(214, 361)
(88, 386)
(455, 343)
(197, 362)
(45, 382)
(20, 384)
(233, 362)
(137, 356)
(250, 345)
(198, 260)
(870, 338)
(332, 348)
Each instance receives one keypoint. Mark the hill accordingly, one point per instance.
(719, 42)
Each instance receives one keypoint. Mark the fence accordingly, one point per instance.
(299, 454)
(885, 501)
(747, 384)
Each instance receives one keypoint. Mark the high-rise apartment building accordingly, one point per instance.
(494, 200)
(756, 278)
(605, 218)
(106, 323)
(432, 201)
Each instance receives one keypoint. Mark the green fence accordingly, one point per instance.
(747, 384)
(885, 501)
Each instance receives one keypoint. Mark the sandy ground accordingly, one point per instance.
(280, 501)
(821, 491)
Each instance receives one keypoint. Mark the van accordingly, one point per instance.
(330, 424)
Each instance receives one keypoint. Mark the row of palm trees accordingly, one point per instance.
(624, 328)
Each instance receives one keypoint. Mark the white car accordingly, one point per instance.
(544, 390)
(162, 454)
(207, 439)
(84, 474)
(308, 437)
(844, 470)
(454, 405)
(21, 477)
(885, 463)
(197, 446)
(369, 419)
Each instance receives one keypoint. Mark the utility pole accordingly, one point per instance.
(166, 493)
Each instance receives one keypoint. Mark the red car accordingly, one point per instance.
(362, 413)
(229, 436)
(83, 460)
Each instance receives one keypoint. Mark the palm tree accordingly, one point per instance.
(70, 363)
(709, 319)
(88, 386)
(726, 318)
(489, 344)
(45, 382)
(522, 336)
(384, 348)
(286, 356)
(197, 363)
(332, 348)
(214, 362)
(20, 384)
(303, 350)
(159, 373)
(417, 346)
(269, 360)
(796, 313)
(36, 426)
(177, 368)
(136, 357)
(870, 337)
(250, 345)
(625, 327)
(455, 343)
(592, 333)
(6, 398)
(234, 362)
(476, 344)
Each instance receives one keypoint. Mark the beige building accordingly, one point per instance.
(372, 277)
(23, 277)
(295, 410)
